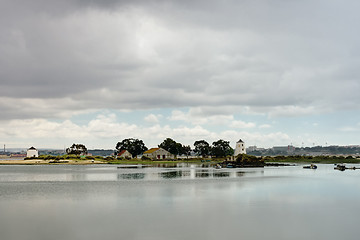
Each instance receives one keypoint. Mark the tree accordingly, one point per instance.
(202, 148)
(187, 150)
(221, 148)
(172, 146)
(134, 146)
(77, 149)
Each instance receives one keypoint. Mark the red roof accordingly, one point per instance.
(122, 152)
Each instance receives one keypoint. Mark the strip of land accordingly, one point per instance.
(53, 160)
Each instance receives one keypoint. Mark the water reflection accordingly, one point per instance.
(172, 174)
(90, 203)
(131, 176)
(119, 173)
(190, 173)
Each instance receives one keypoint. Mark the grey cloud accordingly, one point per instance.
(150, 54)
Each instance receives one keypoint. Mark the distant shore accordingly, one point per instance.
(97, 160)
(21, 161)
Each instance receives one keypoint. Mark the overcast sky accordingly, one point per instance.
(271, 72)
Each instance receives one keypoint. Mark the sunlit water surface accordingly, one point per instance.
(185, 202)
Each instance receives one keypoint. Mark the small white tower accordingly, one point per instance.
(240, 148)
(32, 152)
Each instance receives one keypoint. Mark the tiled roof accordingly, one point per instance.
(151, 150)
(122, 152)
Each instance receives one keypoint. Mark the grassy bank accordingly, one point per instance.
(75, 159)
(156, 162)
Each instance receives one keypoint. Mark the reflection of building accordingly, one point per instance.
(32, 152)
(125, 154)
(240, 148)
(157, 153)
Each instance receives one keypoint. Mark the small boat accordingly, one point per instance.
(217, 166)
(340, 167)
(312, 166)
(229, 165)
(343, 167)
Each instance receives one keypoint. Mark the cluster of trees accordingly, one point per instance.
(134, 146)
(202, 148)
(219, 148)
(175, 148)
(77, 149)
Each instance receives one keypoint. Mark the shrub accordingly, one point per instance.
(145, 158)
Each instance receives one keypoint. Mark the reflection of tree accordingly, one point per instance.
(131, 176)
(221, 174)
(202, 174)
(172, 174)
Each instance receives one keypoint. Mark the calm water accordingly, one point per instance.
(187, 202)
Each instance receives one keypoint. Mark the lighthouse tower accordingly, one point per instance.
(240, 148)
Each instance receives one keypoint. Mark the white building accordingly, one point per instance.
(158, 153)
(32, 152)
(240, 148)
(125, 154)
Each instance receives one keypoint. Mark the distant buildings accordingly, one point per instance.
(290, 150)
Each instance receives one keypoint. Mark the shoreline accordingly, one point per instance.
(240, 160)
(47, 162)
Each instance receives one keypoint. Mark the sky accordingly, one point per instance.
(269, 72)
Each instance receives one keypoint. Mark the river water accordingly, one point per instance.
(183, 202)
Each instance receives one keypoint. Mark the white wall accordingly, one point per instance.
(240, 148)
(32, 153)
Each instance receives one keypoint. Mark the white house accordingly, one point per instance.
(240, 148)
(32, 152)
(125, 154)
(158, 153)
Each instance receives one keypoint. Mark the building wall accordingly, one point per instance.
(240, 148)
(126, 154)
(159, 154)
(32, 153)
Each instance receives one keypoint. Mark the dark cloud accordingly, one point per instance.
(153, 54)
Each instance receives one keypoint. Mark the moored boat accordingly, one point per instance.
(311, 166)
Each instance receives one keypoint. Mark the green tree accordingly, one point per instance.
(187, 150)
(172, 146)
(202, 148)
(134, 146)
(221, 148)
(77, 149)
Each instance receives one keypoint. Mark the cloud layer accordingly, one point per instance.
(275, 57)
(216, 59)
